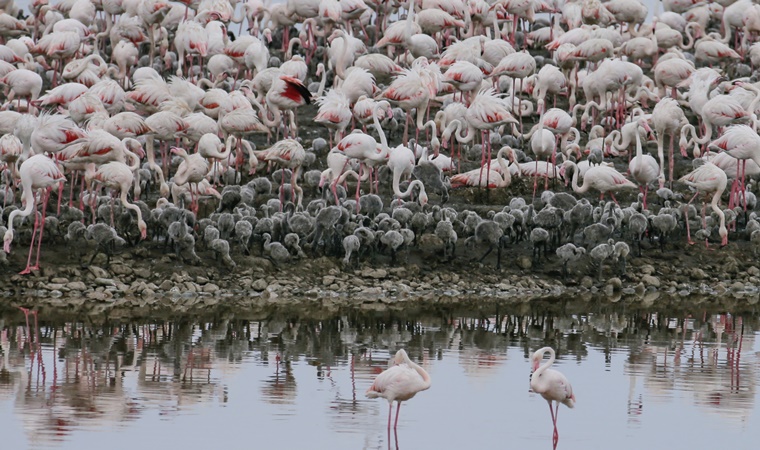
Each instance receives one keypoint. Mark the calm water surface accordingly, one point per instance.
(643, 378)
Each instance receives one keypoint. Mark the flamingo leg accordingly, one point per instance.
(686, 218)
(398, 409)
(45, 197)
(390, 410)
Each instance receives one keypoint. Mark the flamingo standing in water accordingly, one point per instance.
(551, 384)
(37, 173)
(400, 382)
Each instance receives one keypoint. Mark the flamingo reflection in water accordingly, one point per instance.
(551, 384)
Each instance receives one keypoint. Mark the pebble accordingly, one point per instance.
(616, 283)
(650, 280)
(76, 286)
(524, 262)
(259, 285)
(98, 272)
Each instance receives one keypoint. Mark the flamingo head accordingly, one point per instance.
(423, 198)
(7, 239)
(268, 35)
(143, 229)
(178, 151)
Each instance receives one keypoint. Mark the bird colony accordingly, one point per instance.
(378, 130)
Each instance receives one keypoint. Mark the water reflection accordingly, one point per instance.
(63, 379)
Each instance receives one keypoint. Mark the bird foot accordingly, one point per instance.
(690, 242)
(29, 270)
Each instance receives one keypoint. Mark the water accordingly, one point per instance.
(682, 378)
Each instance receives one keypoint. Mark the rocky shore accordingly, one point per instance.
(146, 275)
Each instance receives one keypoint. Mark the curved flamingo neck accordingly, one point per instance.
(543, 367)
(576, 188)
(28, 200)
(376, 121)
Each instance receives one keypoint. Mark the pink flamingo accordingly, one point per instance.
(551, 384)
(602, 178)
(399, 383)
(192, 170)
(37, 173)
(289, 154)
(742, 143)
(645, 170)
(708, 178)
(118, 176)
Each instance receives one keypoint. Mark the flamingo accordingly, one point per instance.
(364, 147)
(290, 154)
(644, 169)
(710, 179)
(743, 143)
(286, 93)
(668, 118)
(551, 384)
(602, 178)
(493, 179)
(192, 170)
(401, 161)
(399, 383)
(543, 144)
(118, 176)
(38, 173)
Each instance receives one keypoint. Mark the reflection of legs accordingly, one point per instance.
(390, 409)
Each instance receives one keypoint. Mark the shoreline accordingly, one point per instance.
(142, 273)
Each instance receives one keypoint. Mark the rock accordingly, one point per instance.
(650, 280)
(59, 280)
(328, 280)
(121, 269)
(615, 282)
(737, 286)
(104, 282)
(141, 273)
(165, 285)
(524, 262)
(259, 285)
(587, 282)
(753, 271)
(210, 288)
(98, 272)
(646, 269)
(76, 286)
(377, 274)
(697, 274)
(100, 295)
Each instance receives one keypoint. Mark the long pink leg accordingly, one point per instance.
(398, 409)
(31, 246)
(42, 226)
(686, 216)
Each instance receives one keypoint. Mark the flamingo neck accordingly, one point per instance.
(376, 121)
(28, 199)
(408, 191)
(576, 188)
(545, 366)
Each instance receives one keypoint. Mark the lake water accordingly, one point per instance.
(643, 376)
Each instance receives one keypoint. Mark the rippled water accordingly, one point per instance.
(643, 378)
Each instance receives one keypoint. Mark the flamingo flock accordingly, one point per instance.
(191, 114)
